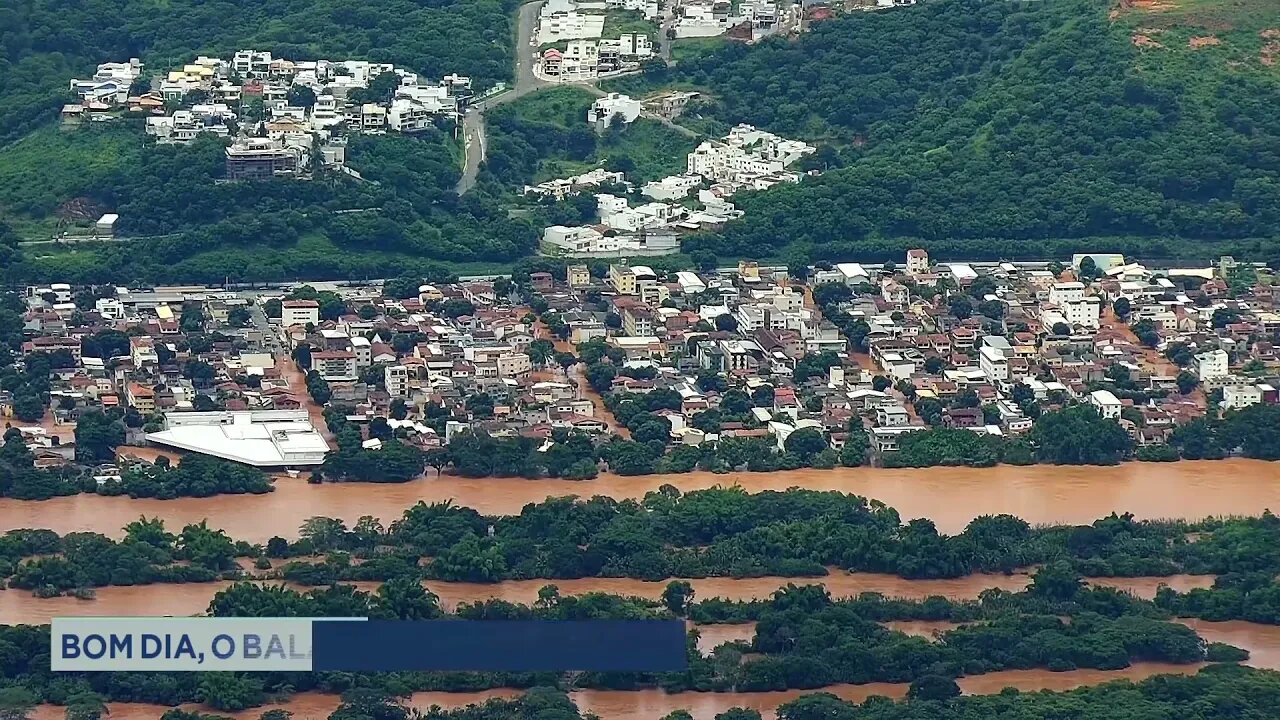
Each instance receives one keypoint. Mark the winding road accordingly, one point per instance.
(527, 82)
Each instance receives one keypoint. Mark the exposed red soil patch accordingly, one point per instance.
(1203, 41)
(1145, 41)
(1272, 49)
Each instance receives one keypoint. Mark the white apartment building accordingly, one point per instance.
(1212, 364)
(396, 378)
(1065, 292)
(1106, 402)
(1075, 307)
(1242, 395)
(335, 365)
(994, 364)
(917, 262)
(363, 350)
(251, 64)
(299, 312)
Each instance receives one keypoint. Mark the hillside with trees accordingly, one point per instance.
(998, 130)
(44, 43)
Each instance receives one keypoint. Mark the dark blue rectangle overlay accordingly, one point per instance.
(500, 645)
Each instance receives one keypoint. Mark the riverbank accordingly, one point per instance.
(21, 607)
(950, 497)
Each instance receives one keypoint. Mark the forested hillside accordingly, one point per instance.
(403, 217)
(1015, 129)
(44, 43)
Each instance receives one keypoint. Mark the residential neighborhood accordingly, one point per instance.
(879, 352)
(281, 115)
(745, 159)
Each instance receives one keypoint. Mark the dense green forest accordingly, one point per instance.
(991, 130)
(44, 43)
(404, 216)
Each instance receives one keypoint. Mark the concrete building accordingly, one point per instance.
(605, 109)
(917, 261)
(1237, 396)
(262, 158)
(1212, 364)
(299, 312)
(262, 438)
(1106, 402)
(396, 378)
(335, 365)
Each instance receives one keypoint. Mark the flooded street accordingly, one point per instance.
(951, 497)
(21, 607)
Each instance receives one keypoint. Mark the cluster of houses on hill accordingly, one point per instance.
(274, 108)
(747, 158)
(572, 49)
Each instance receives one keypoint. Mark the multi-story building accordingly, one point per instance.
(622, 279)
(1212, 364)
(396, 378)
(917, 261)
(299, 312)
(578, 276)
(335, 365)
(262, 158)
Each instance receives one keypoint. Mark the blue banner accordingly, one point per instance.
(501, 645)
(356, 644)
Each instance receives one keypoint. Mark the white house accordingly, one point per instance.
(605, 109)
(1108, 404)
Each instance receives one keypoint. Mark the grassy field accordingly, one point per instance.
(617, 22)
(650, 148)
(1244, 34)
(690, 47)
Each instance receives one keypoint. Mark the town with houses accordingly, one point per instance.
(280, 115)
(747, 158)
(983, 347)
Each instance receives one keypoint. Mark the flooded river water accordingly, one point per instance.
(951, 497)
(20, 606)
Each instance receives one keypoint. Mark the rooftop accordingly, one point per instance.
(272, 438)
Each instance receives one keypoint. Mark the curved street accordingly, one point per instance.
(473, 138)
(526, 82)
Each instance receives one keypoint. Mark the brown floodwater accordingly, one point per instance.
(21, 607)
(654, 704)
(951, 497)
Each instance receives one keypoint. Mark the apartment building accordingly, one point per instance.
(396, 378)
(335, 365)
(299, 312)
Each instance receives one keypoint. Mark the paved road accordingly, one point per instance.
(526, 82)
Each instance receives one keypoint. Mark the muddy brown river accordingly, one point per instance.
(654, 704)
(951, 497)
(21, 607)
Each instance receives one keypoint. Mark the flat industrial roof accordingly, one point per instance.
(261, 444)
